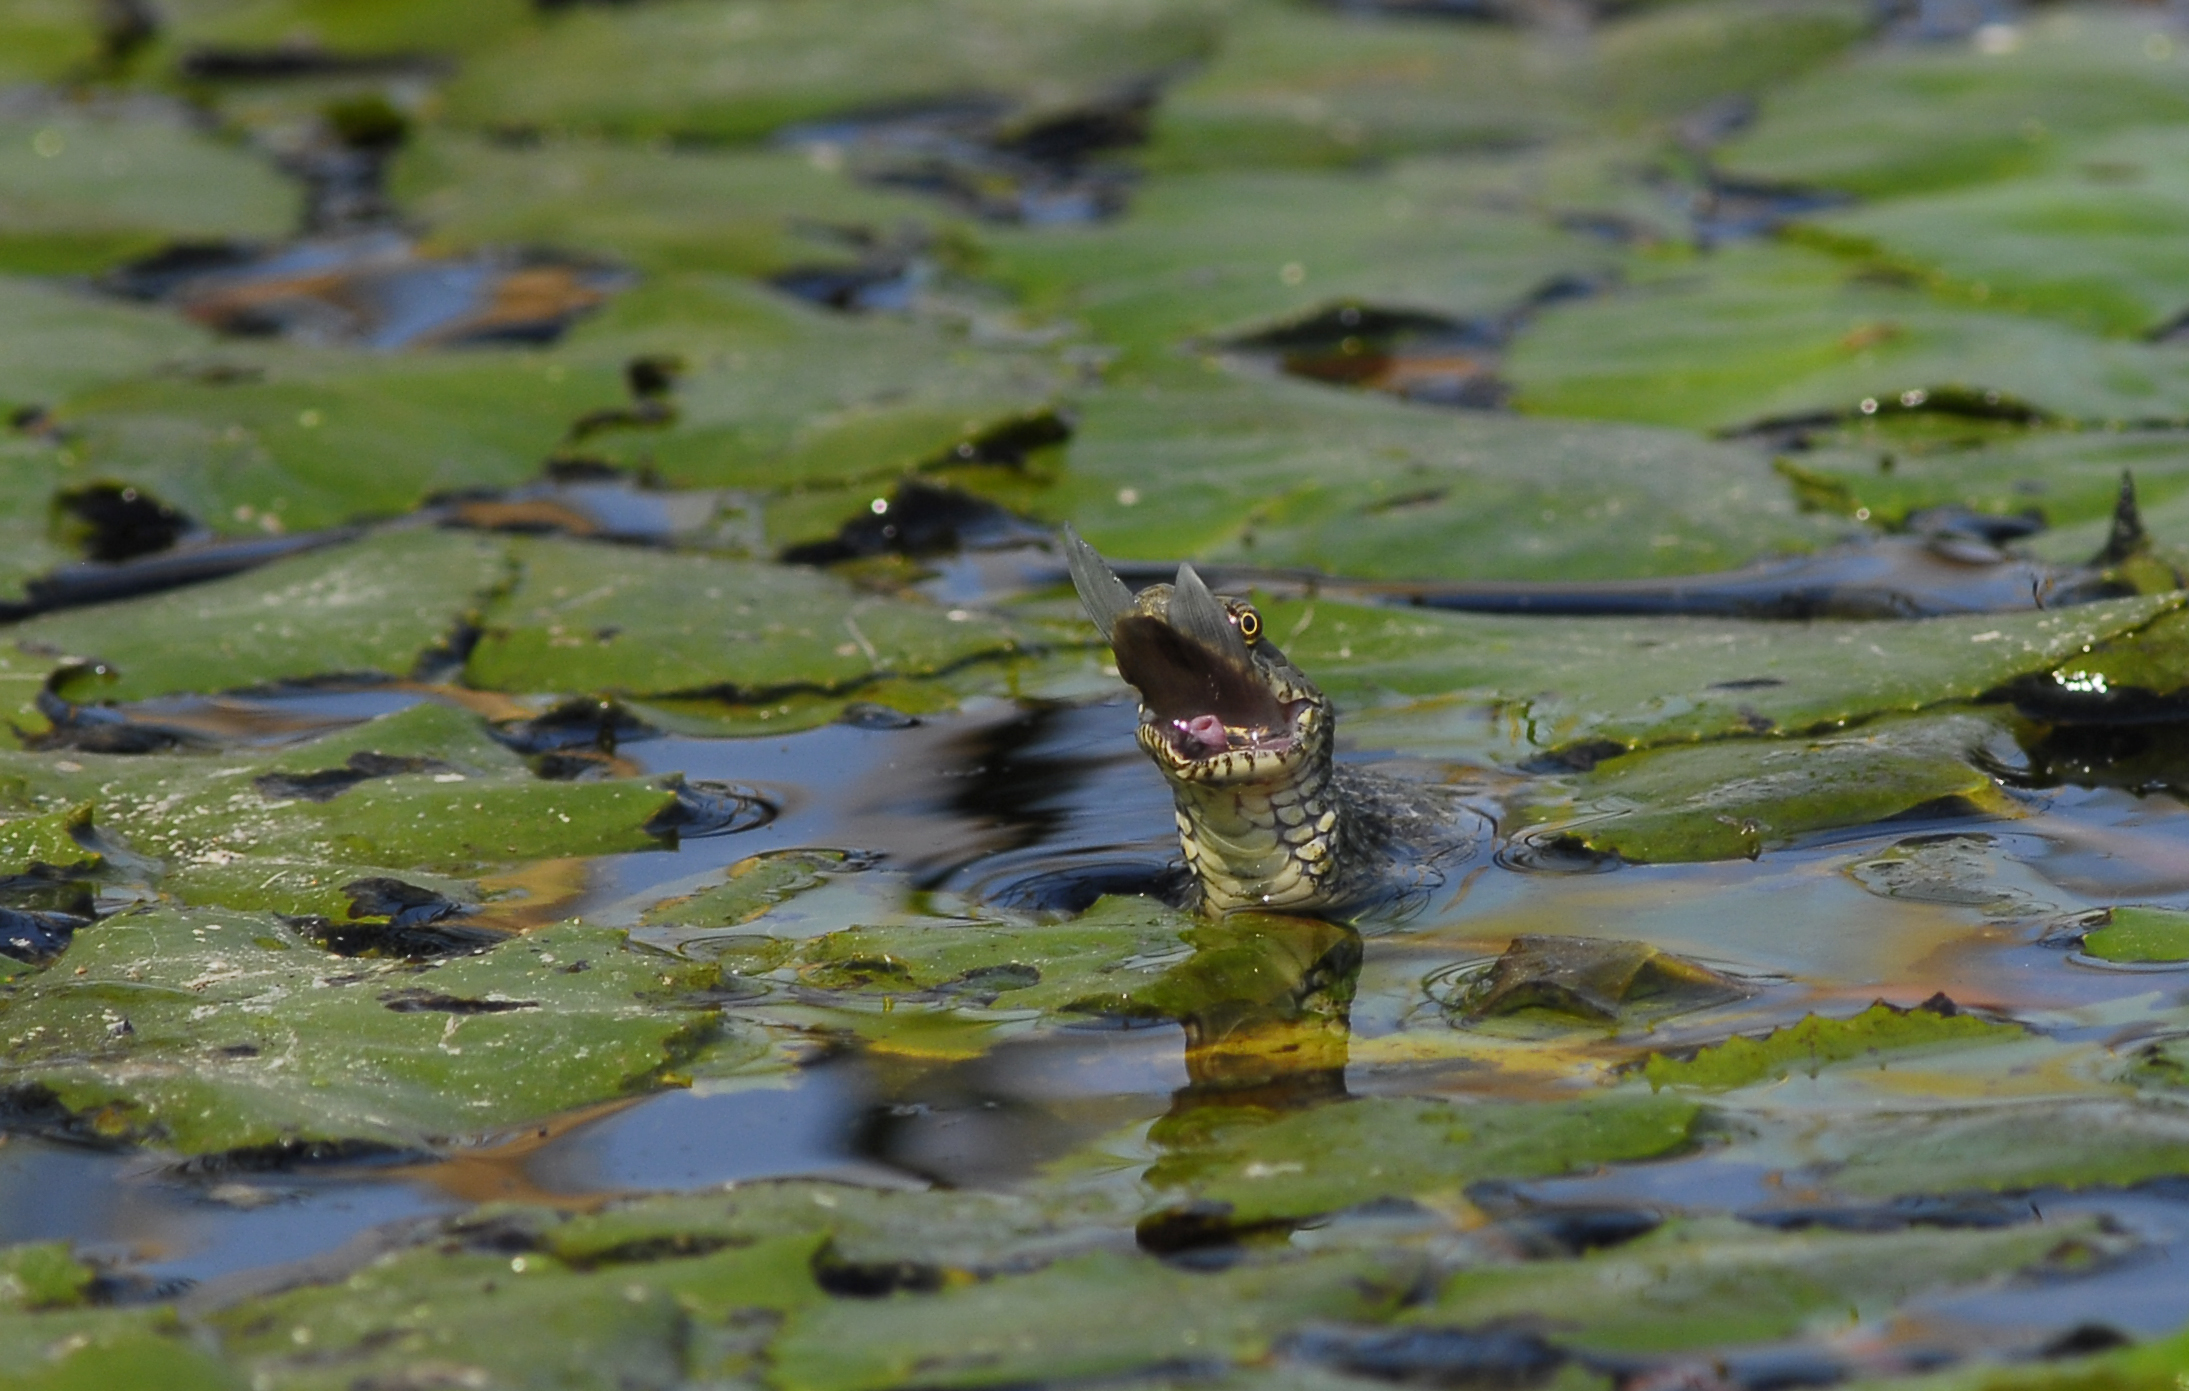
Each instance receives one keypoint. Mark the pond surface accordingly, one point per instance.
(562, 822)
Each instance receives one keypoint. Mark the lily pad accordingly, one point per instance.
(1096, 1315)
(644, 1323)
(200, 1031)
(373, 608)
(1921, 117)
(1718, 1283)
(86, 1349)
(1292, 1166)
(2141, 934)
(1757, 333)
(1284, 473)
(1210, 255)
(86, 191)
(2093, 240)
(1633, 683)
(657, 209)
(1817, 1043)
(330, 437)
(2069, 1143)
(1892, 466)
(43, 1275)
(588, 617)
(1295, 84)
(717, 79)
(1736, 798)
(206, 814)
(1589, 978)
(61, 341)
(53, 838)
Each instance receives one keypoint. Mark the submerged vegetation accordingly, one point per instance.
(561, 823)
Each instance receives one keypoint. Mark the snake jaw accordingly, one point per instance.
(1241, 735)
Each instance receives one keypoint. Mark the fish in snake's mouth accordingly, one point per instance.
(1218, 702)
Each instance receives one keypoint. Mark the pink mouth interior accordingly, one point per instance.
(1204, 735)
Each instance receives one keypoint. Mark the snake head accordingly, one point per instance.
(1219, 703)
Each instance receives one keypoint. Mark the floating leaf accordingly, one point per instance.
(1924, 116)
(49, 838)
(204, 815)
(62, 341)
(371, 608)
(1289, 474)
(1596, 980)
(1817, 1043)
(2141, 934)
(1738, 797)
(331, 437)
(1718, 1283)
(1335, 1156)
(650, 1322)
(85, 191)
(2094, 239)
(1221, 254)
(43, 1275)
(660, 209)
(1097, 1315)
(1565, 683)
(1759, 333)
(588, 617)
(817, 58)
(200, 1031)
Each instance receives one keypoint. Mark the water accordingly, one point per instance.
(1046, 805)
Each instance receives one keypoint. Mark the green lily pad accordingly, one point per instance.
(1298, 1165)
(45, 40)
(588, 617)
(1295, 84)
(1097, 1315)
(1736, 798)
(374, 607)
(773, 394)
(2152, 661)
(89, 1349)
(1206, 255)
(2141, 934)
(1717, 1282)
(49, 838)
(85, 191)
(657, 209)
(1764, 332)
(428, 1313)
(1892, 466)
(405, 27)
(2072, 1143)
(950, 1234)
(200, 1031)
(1282, 473)
(1925, 116)
(1563, 683)
(1817, 1043)
(709, 78)
(2093, 240)
(1103, 955)
(297, 439)
(43, 1275)
(62, 340)
(207, 816)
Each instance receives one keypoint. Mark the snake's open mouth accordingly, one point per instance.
(1203, 702)
(1210, 710)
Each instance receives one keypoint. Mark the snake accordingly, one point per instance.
(1268, 819)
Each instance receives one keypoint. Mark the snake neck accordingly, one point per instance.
(1272, 844)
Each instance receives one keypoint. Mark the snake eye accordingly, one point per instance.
(1250, 624)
